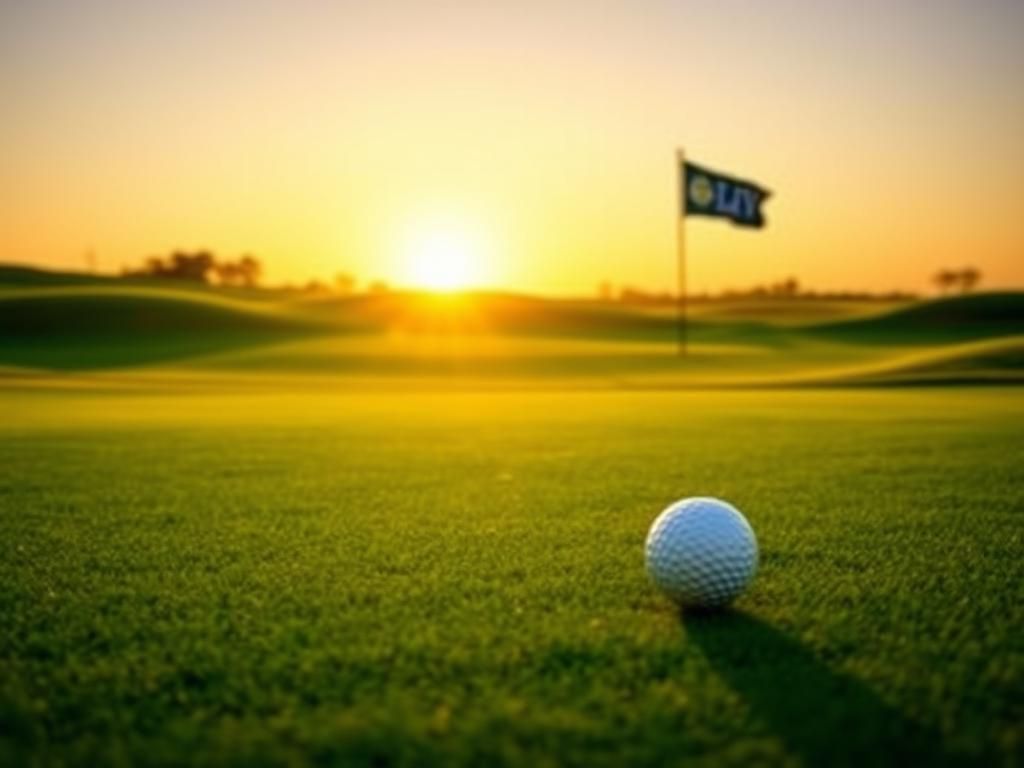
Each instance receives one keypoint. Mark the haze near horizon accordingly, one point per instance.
(525, 146)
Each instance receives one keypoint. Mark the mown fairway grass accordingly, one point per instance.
(499, 340)
(418, 579)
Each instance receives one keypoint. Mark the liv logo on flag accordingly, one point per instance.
(709, 193)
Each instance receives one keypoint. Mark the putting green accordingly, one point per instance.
(268, 576)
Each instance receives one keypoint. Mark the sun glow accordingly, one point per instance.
(444, 258)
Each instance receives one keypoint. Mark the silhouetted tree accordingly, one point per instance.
(945, 279)
(200, 266)
(191, 266)
(250, 270)
(969, 277)
(154, 266)
(179, 266)
(244, 272)
(226, 272)
(788, 287)
(965, 279)
(378, 288)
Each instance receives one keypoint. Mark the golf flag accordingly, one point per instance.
(710, 193)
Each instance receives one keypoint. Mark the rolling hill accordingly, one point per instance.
(958, 318)
(104, 326)
(108, 324)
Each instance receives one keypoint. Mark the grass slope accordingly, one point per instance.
(992, 361)
(944, 320)
(457, 579)
(788, 311)
(98, 327)
(20, 276)
(497, 337)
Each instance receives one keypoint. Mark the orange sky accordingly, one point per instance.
(539, 135)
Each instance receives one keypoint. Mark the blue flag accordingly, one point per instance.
(710, 193)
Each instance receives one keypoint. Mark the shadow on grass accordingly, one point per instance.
(822, 716)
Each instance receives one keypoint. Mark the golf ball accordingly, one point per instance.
(701, 552)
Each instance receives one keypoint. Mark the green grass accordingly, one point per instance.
(457, 578)
(23, 276)
(951, 319)
(503, 340)
(238, 528)
(990, 361)
(75, 328)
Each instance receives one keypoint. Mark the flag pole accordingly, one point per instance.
(681, 250)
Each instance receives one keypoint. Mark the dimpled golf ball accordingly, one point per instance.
(701, 552)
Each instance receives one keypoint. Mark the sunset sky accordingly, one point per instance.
(533, 140)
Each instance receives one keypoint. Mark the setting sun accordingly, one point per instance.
(443, 258)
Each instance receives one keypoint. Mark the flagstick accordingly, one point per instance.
(681, 250)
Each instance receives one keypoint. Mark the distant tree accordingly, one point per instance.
(180, 265)
(227, 273)
(200, 267)
(244, 272)
(250, 270)
(195, 267)
(968, 277)
(945, 279)
(154, 266)
(788, 287)
(639, 296)
(344, 284)
(605, 290)
(378, 288)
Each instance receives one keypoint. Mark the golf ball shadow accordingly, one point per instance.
(822, 715)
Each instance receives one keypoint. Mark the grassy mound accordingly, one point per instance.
(952, 319)
(91, 327)
(18, 276)
(15, 278)
(97, 327)
(495, 314)
(517, 315)
(993, 361)
(788, 311)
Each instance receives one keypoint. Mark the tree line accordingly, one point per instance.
(246, 271)
(787, 288)
(201, 267)
(965, 280)
(946, 280)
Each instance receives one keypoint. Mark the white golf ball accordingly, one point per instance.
(701, 552)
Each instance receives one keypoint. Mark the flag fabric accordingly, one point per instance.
(710, 193)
